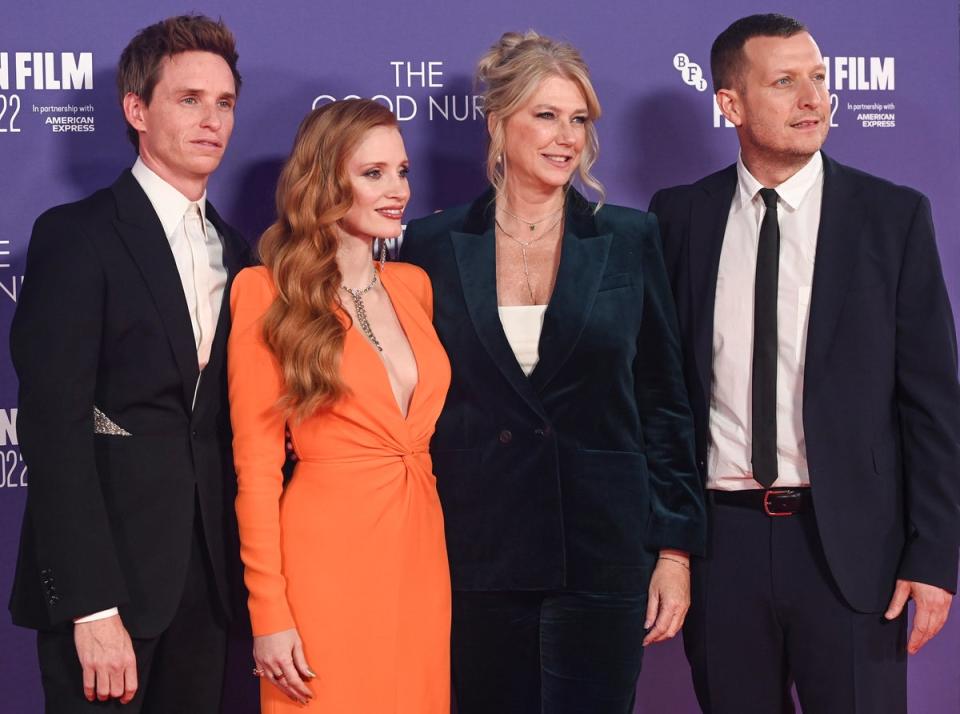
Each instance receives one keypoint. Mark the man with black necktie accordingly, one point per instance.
(820, 360)
(128, 548)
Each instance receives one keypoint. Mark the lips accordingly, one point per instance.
(559, 160)
(207, 143)
(394, 213)
(808, 123)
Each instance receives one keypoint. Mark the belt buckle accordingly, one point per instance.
(778, 492)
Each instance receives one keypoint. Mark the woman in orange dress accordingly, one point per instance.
(346, 564)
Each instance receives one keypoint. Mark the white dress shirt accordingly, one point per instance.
(199, 259)
(798, 211)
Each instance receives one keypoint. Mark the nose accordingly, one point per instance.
(398, 188)
(565, 135)
(211, 117)
(812, 94)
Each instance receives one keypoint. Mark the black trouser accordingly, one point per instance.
(180, 671)
(549, 652)
(766, 613)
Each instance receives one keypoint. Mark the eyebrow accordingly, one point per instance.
(197, 90)
(579, 110)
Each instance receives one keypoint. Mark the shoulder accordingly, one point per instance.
(412, 277)
(79, 216)
(682, 196)
(438, 224)
(882, 194)
(253, 287)
(624, 220)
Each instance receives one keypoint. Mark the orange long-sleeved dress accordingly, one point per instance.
(352, 552)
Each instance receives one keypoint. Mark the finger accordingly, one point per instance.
(89, 683)
(900, 594)
(926, 623)
(653, 606)
(130, 683)
(103, 684)
(676, 622)
(281, 684)
(659, 627)
(300, 662)
(295, 683)
(116, 683)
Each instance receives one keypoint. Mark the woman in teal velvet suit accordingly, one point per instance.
(564, 454)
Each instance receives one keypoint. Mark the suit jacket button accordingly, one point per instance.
(505, 436)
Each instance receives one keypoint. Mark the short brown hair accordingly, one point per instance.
(726, 55)
(139, 69)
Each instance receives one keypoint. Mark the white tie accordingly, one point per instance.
(203, 278)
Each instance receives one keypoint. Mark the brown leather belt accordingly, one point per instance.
(772, 501)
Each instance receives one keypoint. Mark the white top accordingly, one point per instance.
(196, 250)
(522, 325)
(798, 211)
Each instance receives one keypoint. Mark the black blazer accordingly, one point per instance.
(102, 321)
(575, 476)
(881, 405)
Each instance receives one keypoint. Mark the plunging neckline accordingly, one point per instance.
(404, 416)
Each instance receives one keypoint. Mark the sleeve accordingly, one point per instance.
(678, 516)
(928, 400)
(55, 344)
(255, 385)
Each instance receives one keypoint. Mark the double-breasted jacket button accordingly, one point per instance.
(506, 436)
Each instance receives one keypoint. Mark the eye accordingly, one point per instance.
(189, 100)
(546, 115)
(225, 104)
(373, 173)
(783, 82)
(580, 119)
(404, 172)
(820, 77)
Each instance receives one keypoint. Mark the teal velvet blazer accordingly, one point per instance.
(574, 477)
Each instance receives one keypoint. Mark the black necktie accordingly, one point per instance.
(765, 345)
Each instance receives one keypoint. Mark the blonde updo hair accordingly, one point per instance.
(511, 71)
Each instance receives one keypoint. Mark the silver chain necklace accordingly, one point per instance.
(524, 244)
(358, 294)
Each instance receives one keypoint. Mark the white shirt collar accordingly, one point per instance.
(791, 192)
(167, 201)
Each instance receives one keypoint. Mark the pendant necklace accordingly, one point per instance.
(358, 306)
(531, 225)
(524, 244)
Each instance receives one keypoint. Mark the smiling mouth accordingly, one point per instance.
(394, 214)
(806, 123)
(208, 144)
(558, 159)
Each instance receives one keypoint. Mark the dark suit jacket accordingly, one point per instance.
(881, 405)
(575, 476)
(102, 321)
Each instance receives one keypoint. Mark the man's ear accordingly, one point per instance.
(133, 110)
(730, 105)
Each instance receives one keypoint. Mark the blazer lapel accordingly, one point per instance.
(838, 241)
(476, 262)
(140, 229)
(583, 258)
(708, 223)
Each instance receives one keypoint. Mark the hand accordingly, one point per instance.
(669, 596)
(280, 656)
(107, 659)
(932, 607)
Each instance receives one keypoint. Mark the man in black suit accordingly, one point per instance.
(128, 542)
(820, 359)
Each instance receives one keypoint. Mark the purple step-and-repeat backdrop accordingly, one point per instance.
(893, 73)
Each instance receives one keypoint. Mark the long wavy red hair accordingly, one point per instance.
(302, 326)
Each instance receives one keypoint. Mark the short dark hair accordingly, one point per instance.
(139, 68)
(726, 55)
